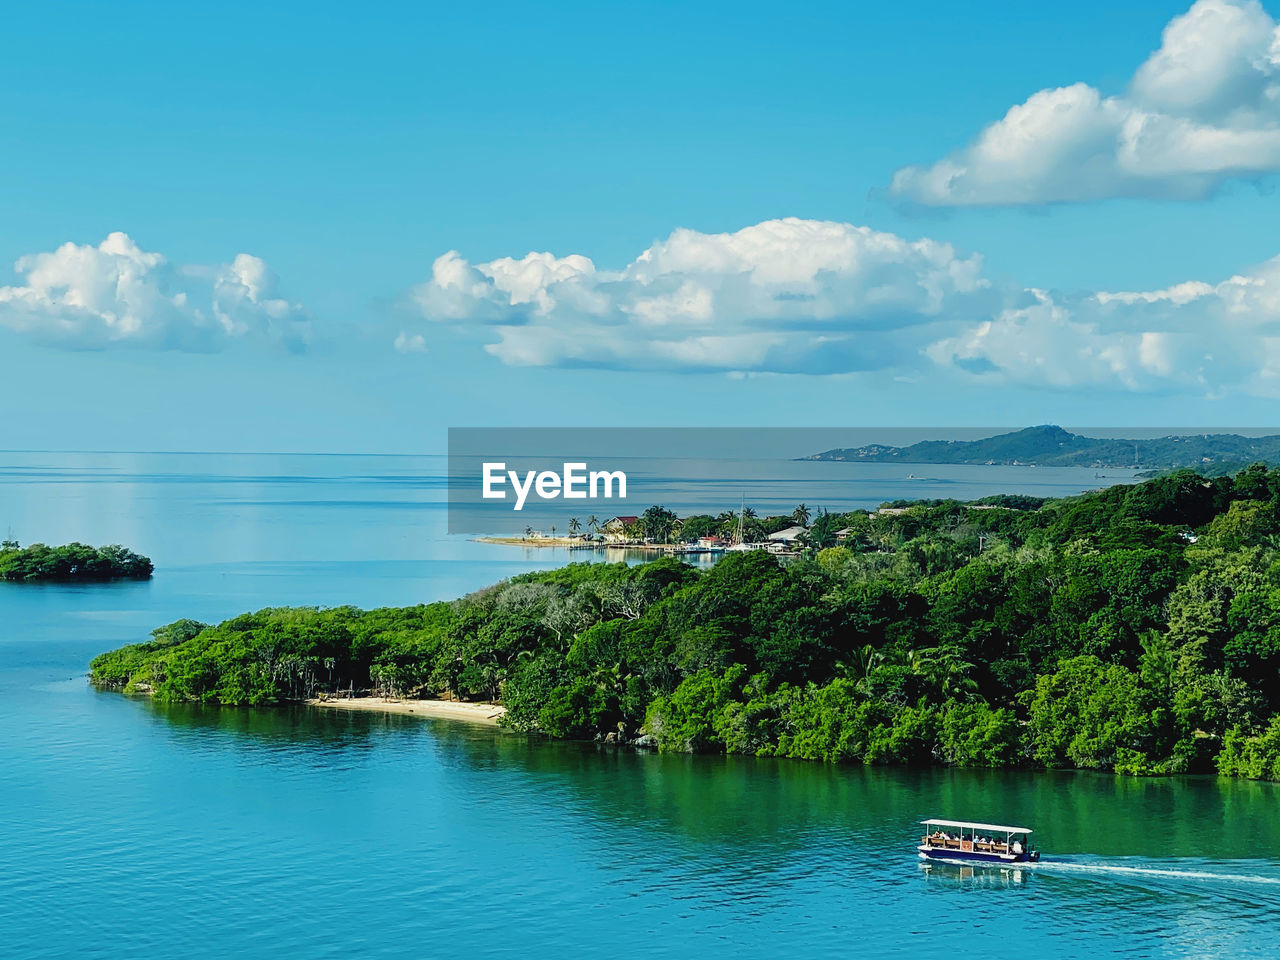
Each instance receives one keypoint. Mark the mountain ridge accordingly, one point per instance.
(1049, 445)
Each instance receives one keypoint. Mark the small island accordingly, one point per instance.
(73, 562)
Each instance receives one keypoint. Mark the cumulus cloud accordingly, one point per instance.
(801, 296)
(783, 295)
(1202, 337)
(90, 297)
(1202, 110)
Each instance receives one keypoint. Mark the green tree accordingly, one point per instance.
(657, 524)
(1094, 715)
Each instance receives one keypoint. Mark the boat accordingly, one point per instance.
(965, 841)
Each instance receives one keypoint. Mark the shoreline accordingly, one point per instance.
(487, 713)
(531, 541)
(578, 544)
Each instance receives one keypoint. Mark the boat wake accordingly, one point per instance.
(1080, 865)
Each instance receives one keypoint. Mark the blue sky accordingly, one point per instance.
(346, 148)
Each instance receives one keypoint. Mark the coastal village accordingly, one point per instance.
(662, 532)
(799, 533)
(627, 531)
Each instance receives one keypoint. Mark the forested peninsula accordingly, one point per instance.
(1134, 629)
(72, 562)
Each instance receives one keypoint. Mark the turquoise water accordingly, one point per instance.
(130, 829)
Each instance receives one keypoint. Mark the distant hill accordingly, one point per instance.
(1050, 446)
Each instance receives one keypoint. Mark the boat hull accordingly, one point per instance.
(974, 856)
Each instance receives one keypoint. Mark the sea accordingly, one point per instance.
(134, 829)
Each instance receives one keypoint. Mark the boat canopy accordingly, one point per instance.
(965, 824)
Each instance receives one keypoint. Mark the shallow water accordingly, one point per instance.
(135, 829)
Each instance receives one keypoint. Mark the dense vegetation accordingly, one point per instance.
(1053, 446)
(75, 561)
(1134, 629)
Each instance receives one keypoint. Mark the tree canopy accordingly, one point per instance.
(74, 561)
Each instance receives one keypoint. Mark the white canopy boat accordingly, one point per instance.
(963, 840)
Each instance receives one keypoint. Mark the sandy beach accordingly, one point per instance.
(451, 709)
(579, 544)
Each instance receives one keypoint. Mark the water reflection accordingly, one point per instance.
(965, 875)
(735, 801)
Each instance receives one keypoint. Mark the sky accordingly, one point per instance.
(332, 227)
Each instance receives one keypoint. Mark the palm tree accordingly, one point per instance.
(866, 659)
(943, 669)
(553, 531)
(593, 523)
(801, 515)
(727, 522)
(574, 525)
(657, 523)
(528, 532)
(610, 679)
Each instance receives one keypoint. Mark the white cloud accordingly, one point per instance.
(410, 343)
(116, 293)
(800, 296)
(1206, 338)
(783, 295)
(1202, 110)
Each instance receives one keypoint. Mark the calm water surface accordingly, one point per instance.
(129, 829)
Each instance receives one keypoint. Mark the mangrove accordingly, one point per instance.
(71, 562)
(1134, 629)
